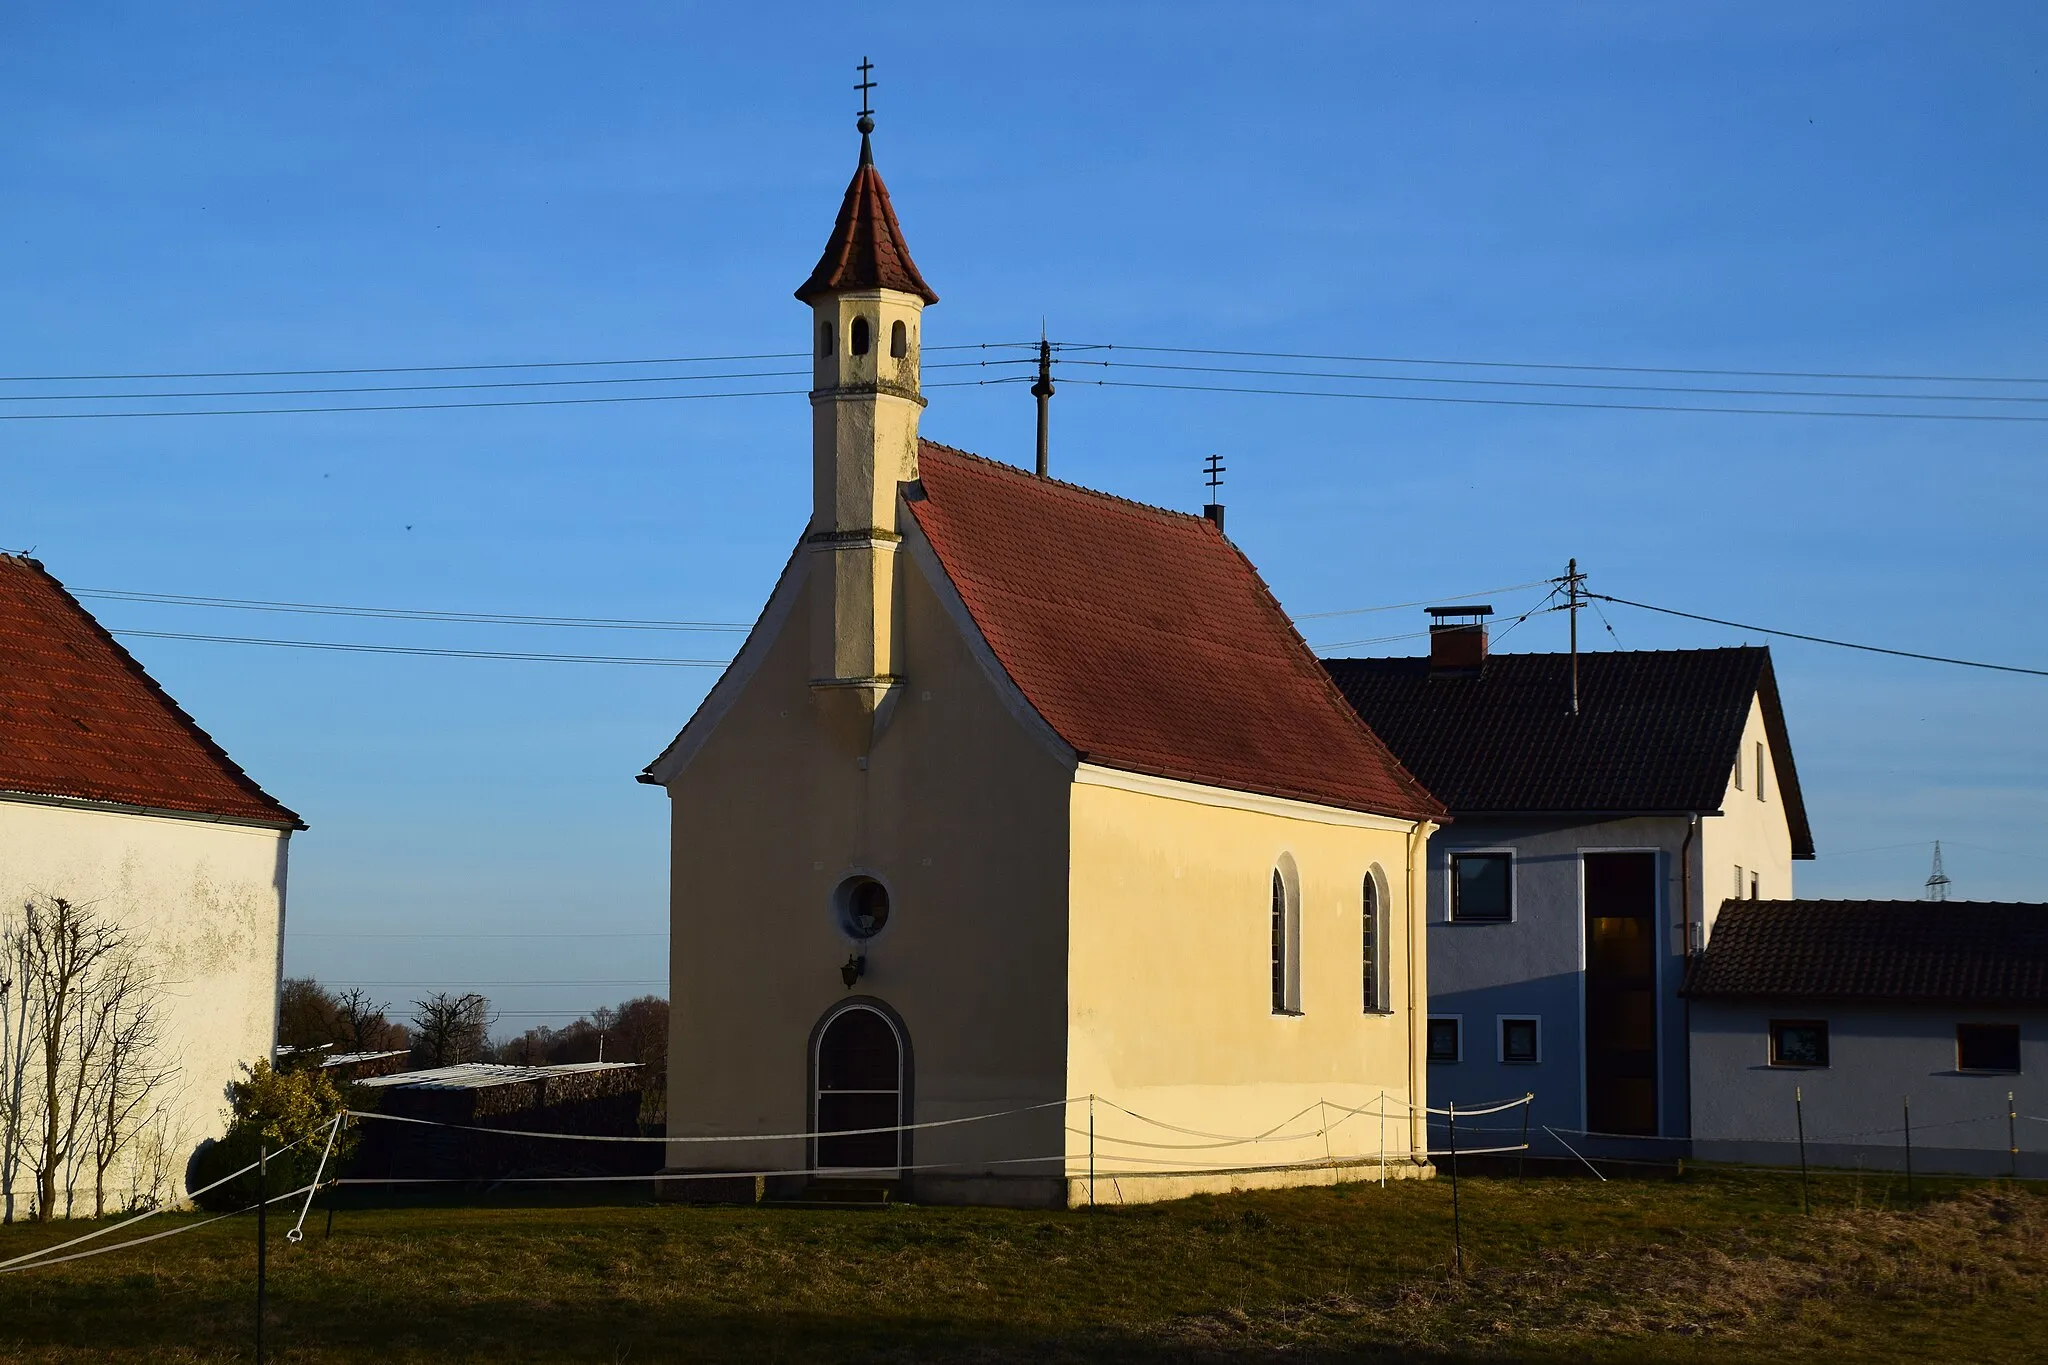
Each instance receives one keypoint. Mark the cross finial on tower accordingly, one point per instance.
(867, 83)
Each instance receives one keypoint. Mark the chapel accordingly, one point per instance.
(1025, 854)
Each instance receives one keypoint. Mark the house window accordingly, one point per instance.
(1369, 967)
(1799, 1042)
(1738, 881)
(1482, 887)
(1286, 944)
(1987, 1047)
(1759, 770)
(1752, 886)
(1738, 768)
(1446, 1038)
(1520, 1039)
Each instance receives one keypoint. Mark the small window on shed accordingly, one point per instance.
(899, 340)
(1987, 1047)
(1799, 1042)
(859, 340)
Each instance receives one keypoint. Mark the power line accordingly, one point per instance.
(381, 933)
(1560, 403)
(422, 651)
(487, 384)
(1551, 365)
(404, 613)
(451, 407)
(1570, 384)
(457, 369)
(1821, 639)
(1424, 602)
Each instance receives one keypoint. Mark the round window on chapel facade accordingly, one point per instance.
(863, 906)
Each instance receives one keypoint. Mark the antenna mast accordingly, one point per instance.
(1937, 880)
(1214, 510)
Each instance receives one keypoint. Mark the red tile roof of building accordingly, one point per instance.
(1148, 641)
(866, 249)
(80, 718)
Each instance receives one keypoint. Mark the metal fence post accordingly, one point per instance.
(1457, 1224)
(262, 1206)
(1091, 1152)
(1799, 1117)
(1906, 1106)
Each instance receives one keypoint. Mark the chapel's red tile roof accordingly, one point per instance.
(1147, 641)
(80, 718)
(866, 249)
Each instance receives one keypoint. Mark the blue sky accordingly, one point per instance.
(1840, 188)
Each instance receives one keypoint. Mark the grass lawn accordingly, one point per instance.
(1718, 1266)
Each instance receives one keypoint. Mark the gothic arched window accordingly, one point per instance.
(1374, 935)
(1286, 941)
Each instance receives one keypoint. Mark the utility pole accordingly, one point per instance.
(1042, 391)
(1574, 603)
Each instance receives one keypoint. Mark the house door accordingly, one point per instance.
(860, 1086)
(1621, 992)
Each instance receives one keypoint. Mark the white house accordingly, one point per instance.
(111, 797)
(1591, 847)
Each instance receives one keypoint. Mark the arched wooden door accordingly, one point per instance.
(860, 1079)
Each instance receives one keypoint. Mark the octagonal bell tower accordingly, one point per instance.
(867, 303)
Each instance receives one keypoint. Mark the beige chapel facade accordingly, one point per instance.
(1023, 822)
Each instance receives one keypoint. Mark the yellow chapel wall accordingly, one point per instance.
(961, 811)
(1170, 1007)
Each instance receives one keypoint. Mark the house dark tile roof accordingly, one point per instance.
(866, 249)
(1148, 641)
(80, 718)
(1929, 952)
(1657, 730)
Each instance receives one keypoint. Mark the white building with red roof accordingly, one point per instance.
(112, 798)
(1025, 853)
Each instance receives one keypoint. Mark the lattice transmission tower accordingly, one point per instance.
(1937, 880)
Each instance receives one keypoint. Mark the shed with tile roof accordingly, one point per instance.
(1870, 1020)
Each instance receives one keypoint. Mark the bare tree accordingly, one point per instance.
(364, 1024)
(127, 1075)
(448, 1029)
(80, 1049)
(17, 1053)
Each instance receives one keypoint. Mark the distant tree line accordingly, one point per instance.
(445, 1029)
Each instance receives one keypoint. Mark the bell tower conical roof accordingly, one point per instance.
(866, 249)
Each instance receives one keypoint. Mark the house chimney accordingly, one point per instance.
(1457, 641)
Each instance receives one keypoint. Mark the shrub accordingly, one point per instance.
(272, 1108)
